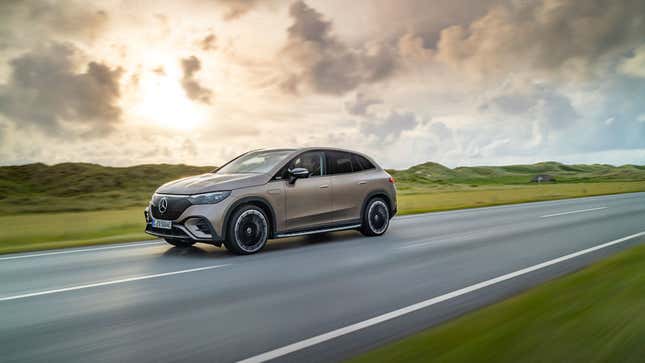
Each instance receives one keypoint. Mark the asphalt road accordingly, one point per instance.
(148, 302)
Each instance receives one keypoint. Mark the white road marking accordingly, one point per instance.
(572, 212)
(80, 250)
(105, 283)
(279, 352)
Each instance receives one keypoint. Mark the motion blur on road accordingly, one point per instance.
(148, 302)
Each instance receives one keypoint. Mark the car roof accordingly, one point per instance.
(309, 148)
(296, 151)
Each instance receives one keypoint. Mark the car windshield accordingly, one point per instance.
(255, 162)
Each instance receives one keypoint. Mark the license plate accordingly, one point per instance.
(161, 223)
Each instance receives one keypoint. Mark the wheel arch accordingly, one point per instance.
(256, 201)
(381, 194)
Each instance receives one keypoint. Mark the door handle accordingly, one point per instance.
(324, 186)
(362, 182)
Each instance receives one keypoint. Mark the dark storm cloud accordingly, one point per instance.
(566, 37)
(44, 89)
(323, 63)
(194, 90)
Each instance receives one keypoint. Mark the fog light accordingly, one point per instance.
(198, 227)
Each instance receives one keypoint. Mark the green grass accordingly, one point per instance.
(594, 315)
(28, 232)
(72, 187)
(431, 199)
(40, 204)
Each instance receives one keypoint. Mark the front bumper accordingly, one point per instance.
(196, 228)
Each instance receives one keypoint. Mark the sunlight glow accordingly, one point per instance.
(163, 102)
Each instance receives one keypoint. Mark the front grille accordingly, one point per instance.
(176, 206)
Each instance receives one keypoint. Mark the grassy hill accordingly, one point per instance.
(70, 187)
(81, 186)
(432, 173)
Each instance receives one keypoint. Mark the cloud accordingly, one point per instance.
(189, 148)
(634, 65)
(321, 62)
(390, 127)
(209, 42)
(32, 21)
(237, 8)
(194, 90)
(572, 39)
(359, 105)
(159, 70)
(532, 102)
(45, 90)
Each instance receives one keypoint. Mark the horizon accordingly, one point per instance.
(384, 166)
(495, 82)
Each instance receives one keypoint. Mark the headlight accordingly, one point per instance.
(209, 198)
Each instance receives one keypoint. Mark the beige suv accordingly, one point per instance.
(275, 193)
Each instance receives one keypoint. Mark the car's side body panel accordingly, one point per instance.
(308, 202)
(349, 191)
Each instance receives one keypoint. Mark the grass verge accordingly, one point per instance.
(39, 231)
(29, 232)
(417, 200)
(593, 315)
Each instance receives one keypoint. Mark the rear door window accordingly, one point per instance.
(339, 162)
(363, 163)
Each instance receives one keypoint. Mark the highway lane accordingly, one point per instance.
(150, 302)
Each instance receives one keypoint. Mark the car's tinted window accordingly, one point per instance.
(363, 163)
(355, 163)
(339, 162)
(313, 161)
(254, 162)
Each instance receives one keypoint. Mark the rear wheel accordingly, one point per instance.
(181, 243)
(376, 217)
(248, 230)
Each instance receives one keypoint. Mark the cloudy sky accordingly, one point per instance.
(459, 82)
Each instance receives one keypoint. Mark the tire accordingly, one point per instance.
(181, 243)
(376, 217)
(248, 230)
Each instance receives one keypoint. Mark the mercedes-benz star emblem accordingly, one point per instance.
(163, 205)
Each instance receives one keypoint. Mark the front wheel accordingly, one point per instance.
(181, 243)
(376, 217)
(248, 230)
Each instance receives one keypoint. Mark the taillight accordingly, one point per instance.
(391, 180)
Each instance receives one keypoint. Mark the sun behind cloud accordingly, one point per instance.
(162, 101)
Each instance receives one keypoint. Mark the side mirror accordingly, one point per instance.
(297, 173)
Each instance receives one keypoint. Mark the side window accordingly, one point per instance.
(364, 163)
(339, 162)
(312, 160)
(356, 165)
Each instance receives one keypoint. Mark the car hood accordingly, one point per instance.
(210, 182)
